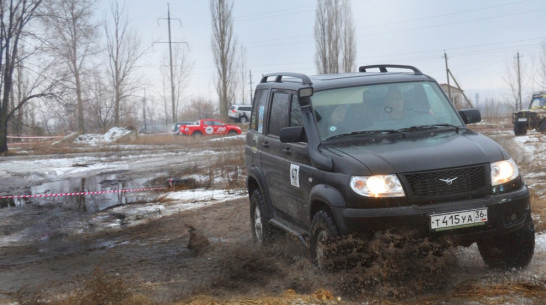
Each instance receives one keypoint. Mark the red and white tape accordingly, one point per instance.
(81, 193)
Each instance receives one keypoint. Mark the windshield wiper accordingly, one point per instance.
(365, 133)
(430, 126)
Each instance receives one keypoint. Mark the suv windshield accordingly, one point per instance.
(538, 102)
(376, 108)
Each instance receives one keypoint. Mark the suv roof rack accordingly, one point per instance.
(279, 75)
(383, 68)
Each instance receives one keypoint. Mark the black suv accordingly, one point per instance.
(358, 153)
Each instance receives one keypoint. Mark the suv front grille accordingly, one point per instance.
(447, 182)
(526, 114)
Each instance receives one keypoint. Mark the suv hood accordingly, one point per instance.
(420, 153)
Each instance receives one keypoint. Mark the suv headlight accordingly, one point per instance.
(377, 186)
(503, 171)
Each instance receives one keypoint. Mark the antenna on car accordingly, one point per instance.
(383, 68)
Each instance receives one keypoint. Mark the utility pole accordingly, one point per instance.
(170, 42)
(448, 72)
(171, 62)
(519, 103)
(250, 82)
(447, 76)
(144, 113)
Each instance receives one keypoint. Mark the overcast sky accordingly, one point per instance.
(480, 37)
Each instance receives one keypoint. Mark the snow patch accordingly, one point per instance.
(112, 135)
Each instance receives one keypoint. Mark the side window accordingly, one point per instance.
(258, 109)
(295, 112)
(279, 114)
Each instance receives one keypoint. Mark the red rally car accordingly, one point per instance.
(209, 127)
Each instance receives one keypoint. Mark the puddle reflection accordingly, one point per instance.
(113, 186)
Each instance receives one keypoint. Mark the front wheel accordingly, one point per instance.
(520, 129)
(243, 119)
(514, 250)
(260, 227)
(323, 234)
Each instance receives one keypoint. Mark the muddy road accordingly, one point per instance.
(172, 254)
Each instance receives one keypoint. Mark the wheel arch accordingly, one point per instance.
(255, 182)
(326, 198)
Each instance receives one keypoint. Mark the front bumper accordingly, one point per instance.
(506, 213)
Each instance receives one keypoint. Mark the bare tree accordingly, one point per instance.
(224, 49)
(15, 16)
(334, 36)
(348, 38)
(182, 67)
(514, 78)
(201, 108)
(123, 47)
(72, 34)
(242, 73)
(101, 109)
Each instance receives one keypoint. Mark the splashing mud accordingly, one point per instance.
(390, 266)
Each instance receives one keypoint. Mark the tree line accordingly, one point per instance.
(53, 68)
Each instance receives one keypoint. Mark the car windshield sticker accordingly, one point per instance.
(295, 175)
(261, 118)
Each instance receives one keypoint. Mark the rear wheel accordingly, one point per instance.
(514, 250)
(261, 229)
(197, 133)
(520, 129)
(323, 234)
(243, 119)
(542, 126)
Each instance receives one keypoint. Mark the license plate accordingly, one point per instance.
(456, 220)
(522, 119)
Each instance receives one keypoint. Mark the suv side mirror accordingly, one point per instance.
(293, 134)
(305, 92)
(470, 116)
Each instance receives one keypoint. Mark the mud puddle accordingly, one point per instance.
(92, 193)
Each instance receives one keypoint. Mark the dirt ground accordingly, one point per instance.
(197, 255)
(206, 256)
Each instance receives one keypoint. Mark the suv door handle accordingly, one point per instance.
(287, 150)
(265, 144)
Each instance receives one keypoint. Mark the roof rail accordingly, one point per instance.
(383, 68)
(279, 75)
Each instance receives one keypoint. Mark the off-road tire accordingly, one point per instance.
(542, 126)
(197, 133)
(323, 235)
(262, 232)
(514, 250)
(232, 132)
(520, 129)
